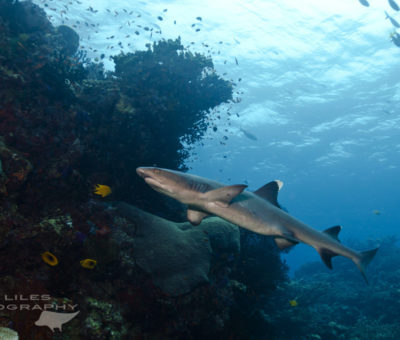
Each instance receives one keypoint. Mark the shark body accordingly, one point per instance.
(258, 211)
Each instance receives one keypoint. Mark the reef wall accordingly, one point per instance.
(65, 126)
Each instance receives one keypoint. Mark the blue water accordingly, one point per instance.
(318, 89)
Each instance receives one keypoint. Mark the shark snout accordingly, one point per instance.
(141, 172)
(151, 176)
(146, 171)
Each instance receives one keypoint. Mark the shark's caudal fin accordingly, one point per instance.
(365, 257)
(362, 261)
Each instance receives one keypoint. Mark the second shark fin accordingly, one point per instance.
(333, 232)
(286, 240)
(284, 243)
(195, 216)
(326, 256)
(270, 192)
(223, 196)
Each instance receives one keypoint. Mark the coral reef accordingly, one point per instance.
(65, 126)
(106, 125)
(338, 304)
(162, 89)
(188, 264)
(8, 334)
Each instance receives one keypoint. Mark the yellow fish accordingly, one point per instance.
(49, 258)
(102, 190)
(293, 303)
(376, 212)
(88, 263)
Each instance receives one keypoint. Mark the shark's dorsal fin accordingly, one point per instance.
(270, 192)
(223, 196)
(326, 256)
(333, 232)
(195, 216)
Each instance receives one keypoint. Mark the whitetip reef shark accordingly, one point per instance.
(258, 211)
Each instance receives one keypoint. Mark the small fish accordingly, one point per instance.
(102, 190)
(88, 263)
(236, 61)
(293, 303)
(49, 258)
(249, 135)
(395, 37)
(394, 22)
(393, 4)
(160, 18)
(364, 3)
(199, 18)
(376, 212)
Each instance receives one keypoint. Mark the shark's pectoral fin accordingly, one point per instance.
(333, 232)
(284, 243)
(195, 216)
(326, 256)
(223, 196)
(270, 192)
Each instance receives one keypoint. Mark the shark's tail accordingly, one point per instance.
(365, 257)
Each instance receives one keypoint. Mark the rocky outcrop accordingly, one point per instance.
(176, 255)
